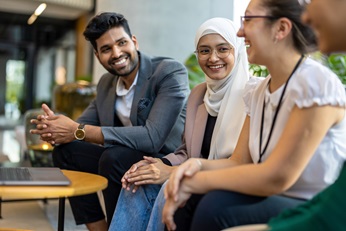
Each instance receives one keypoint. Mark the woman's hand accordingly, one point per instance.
(148, 171)
(187, 169)
(124, 180)
(172, 205)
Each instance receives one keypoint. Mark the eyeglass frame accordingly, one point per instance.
(212, 51)
(304, 2)
(254, 16)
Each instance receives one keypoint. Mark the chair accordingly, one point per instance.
(38, 151)
(255, 227)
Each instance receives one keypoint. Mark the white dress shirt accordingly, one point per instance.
(124, 100)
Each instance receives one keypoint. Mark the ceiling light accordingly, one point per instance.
(32, 19)
(40, 9)
(37, 12)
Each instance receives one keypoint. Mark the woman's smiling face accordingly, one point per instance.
(214, 66)
(257, 33)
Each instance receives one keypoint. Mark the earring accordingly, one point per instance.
(276, 39)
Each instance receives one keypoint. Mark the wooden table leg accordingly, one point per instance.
(61, 218)
(0, 208)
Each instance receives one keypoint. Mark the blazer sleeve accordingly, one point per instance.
(179, 156)
(90, 115)
(100, 112)
(163, 124)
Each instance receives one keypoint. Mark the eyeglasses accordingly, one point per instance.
(246, 18)
(205, 53)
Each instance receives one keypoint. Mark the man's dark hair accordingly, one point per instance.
(101, 23)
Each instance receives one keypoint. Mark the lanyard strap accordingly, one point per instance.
(276, 113)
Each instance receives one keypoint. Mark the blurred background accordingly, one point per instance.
(44, 57)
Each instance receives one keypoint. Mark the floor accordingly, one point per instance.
(33, 215)
(36, 215)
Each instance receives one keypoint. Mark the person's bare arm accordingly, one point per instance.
(303, 133)
(301, 137)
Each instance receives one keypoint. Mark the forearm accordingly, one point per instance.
(93, 134)
(217, 164)
(166, 174)
(137, 137)
(248, 179)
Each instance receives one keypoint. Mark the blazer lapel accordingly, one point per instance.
(196, 118)
(144, 73)
(198, 131)
(109, 103)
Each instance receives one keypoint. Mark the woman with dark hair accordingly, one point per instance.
(292, 143)
(325, 211)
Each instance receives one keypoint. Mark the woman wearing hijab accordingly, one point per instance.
(292, 144)
(214, 117)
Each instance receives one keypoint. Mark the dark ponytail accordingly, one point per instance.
(304, 38)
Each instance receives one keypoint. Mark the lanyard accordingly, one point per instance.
(275, 115)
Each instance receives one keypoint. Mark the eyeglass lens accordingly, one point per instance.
(221, 52)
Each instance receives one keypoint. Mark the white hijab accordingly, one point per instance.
(224, 98)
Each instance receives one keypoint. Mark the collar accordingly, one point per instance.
(121, 90)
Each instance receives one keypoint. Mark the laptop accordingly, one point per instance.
(33, 176)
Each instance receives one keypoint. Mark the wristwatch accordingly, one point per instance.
(79, 134)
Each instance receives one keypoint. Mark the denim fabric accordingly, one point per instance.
(155, 221)
(133, 209)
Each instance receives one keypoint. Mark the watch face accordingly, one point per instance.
(80, 134)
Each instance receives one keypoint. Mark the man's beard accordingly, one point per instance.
(133, 64)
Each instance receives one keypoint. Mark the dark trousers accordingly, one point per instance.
(220, 209)
(110, 162)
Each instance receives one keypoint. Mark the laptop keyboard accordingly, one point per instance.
(15, 174)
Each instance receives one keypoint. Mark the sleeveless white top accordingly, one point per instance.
(312, 83)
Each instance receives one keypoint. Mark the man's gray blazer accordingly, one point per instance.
(158, 108)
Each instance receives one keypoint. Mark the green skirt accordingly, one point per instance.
(324, 212)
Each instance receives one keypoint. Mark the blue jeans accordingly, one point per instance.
(155, 221)
(133, 210)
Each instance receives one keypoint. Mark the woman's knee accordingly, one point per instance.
(219, 209)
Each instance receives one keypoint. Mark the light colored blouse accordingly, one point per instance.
(312, 83)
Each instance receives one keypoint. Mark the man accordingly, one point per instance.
(327, 18)
(139, 110)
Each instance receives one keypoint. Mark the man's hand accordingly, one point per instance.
(148, 171)
(55, 129)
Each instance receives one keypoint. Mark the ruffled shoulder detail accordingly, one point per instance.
(249, 90)
(316, 84)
